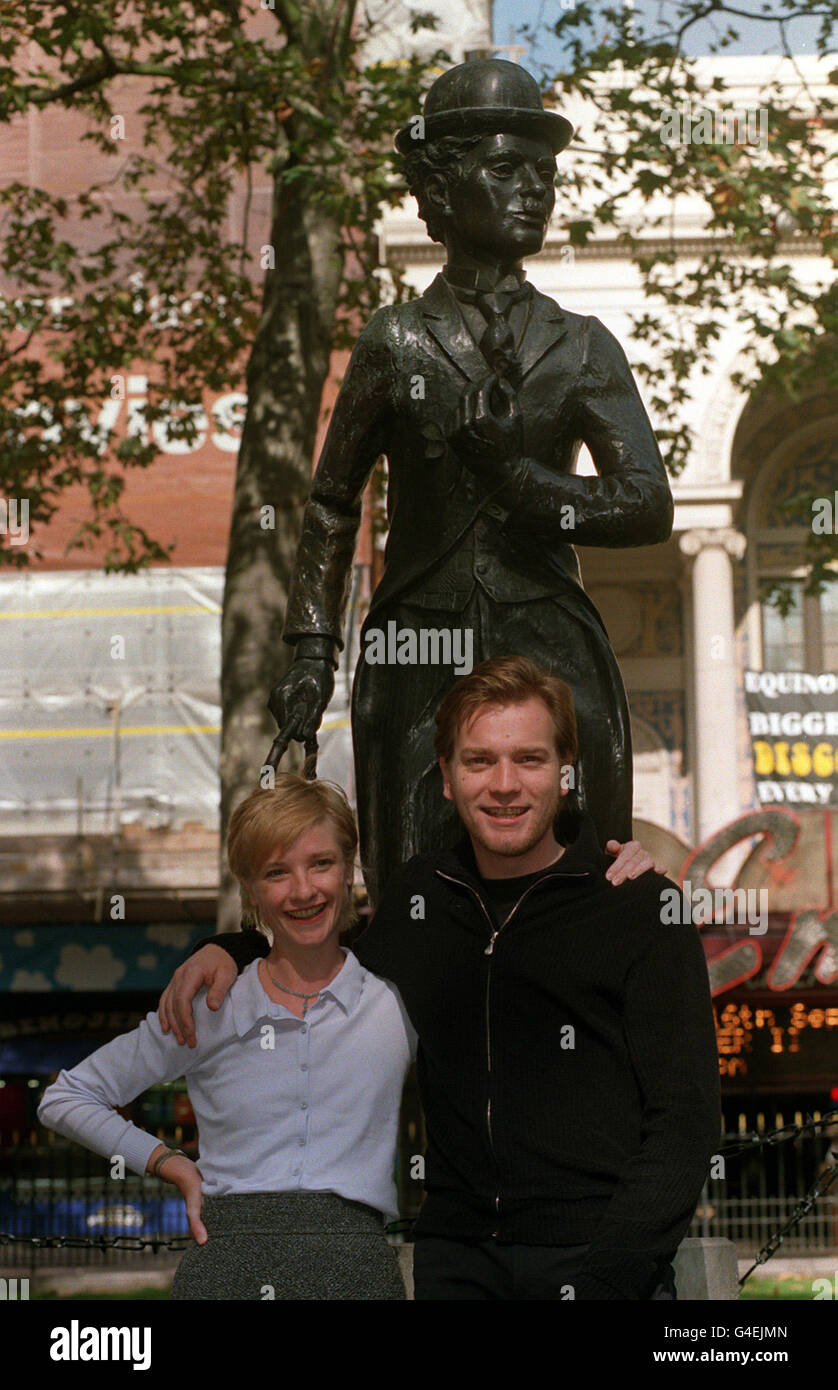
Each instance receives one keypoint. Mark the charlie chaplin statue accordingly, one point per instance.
(480, 393)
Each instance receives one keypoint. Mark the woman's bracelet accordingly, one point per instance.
(161, 1158)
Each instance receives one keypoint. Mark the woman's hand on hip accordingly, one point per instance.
(185, 1175)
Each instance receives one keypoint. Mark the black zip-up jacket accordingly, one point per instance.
(567, 1059)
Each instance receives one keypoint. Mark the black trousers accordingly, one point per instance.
(450, 1269)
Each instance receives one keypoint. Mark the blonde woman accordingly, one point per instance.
(295, 1080)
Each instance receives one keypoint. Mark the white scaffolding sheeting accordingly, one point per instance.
(110, 701)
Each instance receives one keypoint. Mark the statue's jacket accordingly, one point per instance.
(448, 530)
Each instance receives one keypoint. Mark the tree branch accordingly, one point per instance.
(346, 31)
(290, 17)
(100, 72)
(112, 67)
(246, 217)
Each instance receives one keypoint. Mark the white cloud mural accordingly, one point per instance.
(94, 969)
(23, 980)
(176, 938)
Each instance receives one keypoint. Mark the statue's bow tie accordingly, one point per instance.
(498, 342)
(494, 301)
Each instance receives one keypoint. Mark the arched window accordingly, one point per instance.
(803, 636)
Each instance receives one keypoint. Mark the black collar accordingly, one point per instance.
(583, 855)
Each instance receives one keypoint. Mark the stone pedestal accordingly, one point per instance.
(706, 1269)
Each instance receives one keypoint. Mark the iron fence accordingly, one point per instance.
(55, 1191)
(751, 1221)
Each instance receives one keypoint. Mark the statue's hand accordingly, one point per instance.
(488, 428)
(298, 702)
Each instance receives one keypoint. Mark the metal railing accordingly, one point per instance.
(55, 1191)
(750, 1221)
(765, 1179)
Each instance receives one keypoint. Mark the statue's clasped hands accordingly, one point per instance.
(487, 428)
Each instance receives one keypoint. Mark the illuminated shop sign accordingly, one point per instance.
(793, 725)
(787, 1041)
(811, 938)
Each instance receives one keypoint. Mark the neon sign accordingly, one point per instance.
(812, 934)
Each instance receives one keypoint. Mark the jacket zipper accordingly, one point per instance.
(489, 951)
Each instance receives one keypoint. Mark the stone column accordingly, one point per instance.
(714, 675)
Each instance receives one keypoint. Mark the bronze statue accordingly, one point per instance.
(479, 392)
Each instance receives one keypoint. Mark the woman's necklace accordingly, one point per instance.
(298, 994)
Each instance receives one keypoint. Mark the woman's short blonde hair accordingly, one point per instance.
(270, 819)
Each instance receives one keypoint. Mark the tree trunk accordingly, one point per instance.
(285, 377)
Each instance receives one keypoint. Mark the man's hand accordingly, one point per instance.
(297, 704)
(186, 1177)
(211, 966)
(631, 861)
(488, 429)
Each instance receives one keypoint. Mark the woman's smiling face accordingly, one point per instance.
(301, 892)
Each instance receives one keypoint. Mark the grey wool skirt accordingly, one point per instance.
(289, 1245)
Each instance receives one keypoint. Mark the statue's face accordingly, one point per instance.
(501, 204)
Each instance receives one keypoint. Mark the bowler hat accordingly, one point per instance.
(484, 96)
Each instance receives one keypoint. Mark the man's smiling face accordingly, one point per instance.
(504, 778)
(501, 203)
